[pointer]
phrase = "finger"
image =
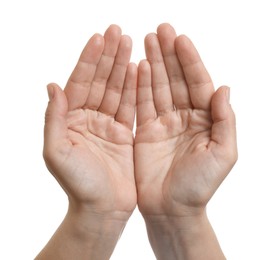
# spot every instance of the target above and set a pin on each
(160, 82)
(78, 85)
(145, 104)
(55, 129)
(224, 126)
(179, 90)
(112, 38)
(198, 80)
(126, 110)
(114, 86)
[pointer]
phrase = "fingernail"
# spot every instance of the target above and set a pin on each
(51, 92)
(228, 94)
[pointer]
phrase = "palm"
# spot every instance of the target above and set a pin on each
(103, 151)
(94, 162)
(177, 158)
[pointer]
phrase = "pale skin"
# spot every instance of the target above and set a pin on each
(185, 145)
(89, 148)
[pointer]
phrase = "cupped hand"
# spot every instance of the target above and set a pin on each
(88, 131)
(185, 141)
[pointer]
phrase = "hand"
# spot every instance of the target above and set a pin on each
(185, 140)
(185, 146)
(88, 133)
(88, 147)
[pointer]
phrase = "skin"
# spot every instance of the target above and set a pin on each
(88, 147)
(184, 147)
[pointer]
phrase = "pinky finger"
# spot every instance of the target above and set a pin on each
(126, 111)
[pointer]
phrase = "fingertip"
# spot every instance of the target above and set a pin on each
(114, 28)
(227, 97)
(225, 90)
(126, 41)
(57, 99)
(97, 39)
(144, 72)
(182, 42)
(164, 26)
(51, 91)
(93, 49)
(220, 104)
(131, 77)
(144, 66)
(127, 38)
(133, 65)
(228, 93)
(183, 37)
(149, 37)
(132, 69)
(184, 45)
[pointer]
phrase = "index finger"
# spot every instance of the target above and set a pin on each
(199, 82)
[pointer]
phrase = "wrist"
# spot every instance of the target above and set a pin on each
(85, 234)
(174, 227)
(189, 237)
(89, 224)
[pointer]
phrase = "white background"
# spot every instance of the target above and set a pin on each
(40, 42)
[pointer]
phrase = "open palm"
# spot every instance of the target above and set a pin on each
(185, 140)
(88, 131)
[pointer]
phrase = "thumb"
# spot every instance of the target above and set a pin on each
(55, 129)
(224, 126)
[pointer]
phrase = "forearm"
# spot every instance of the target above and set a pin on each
(84, 236)
(189, 238)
